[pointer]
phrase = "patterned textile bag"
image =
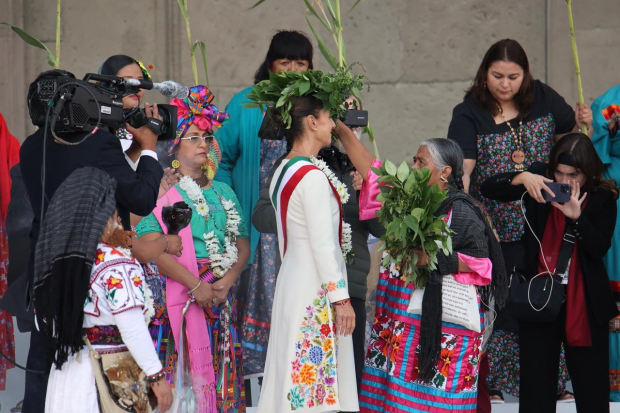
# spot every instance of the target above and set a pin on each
(121, 383)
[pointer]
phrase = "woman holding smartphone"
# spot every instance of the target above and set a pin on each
(589, 216)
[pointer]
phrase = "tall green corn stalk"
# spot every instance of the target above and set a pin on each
(193, 45)
(52, 59)
(584, 127)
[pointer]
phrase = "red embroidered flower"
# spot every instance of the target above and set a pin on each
(469, 376)
(325, 330)
(331, 286)
(445, 359)
(330, 399)
(99, 256)
(137, 281)
(114, 283)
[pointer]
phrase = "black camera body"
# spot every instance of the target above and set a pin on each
(97, 100)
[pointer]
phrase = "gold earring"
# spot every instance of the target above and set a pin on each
(442, 179)
(176, 164)
(485, 85)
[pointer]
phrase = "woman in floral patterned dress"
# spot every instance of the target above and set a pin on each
(216, 251)
(310, 365)
(506, 122)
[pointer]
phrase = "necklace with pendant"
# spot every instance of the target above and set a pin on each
(518, 155)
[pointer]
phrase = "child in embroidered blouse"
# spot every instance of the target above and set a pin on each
(87, 285)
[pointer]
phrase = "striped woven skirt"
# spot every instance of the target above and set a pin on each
(231, 388)
(390, 382)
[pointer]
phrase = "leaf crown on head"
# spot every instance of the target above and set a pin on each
(282, 89)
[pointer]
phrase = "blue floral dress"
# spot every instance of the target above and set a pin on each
(257, 284)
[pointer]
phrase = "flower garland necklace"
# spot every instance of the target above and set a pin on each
(222, 258)
(347, 243)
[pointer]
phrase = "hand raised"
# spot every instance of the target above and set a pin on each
(572, 208)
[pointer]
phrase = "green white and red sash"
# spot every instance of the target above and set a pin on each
(292, 173)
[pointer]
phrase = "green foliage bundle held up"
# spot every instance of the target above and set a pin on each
(409, 204)
(283, 88)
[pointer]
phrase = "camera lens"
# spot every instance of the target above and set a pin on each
(565, 189)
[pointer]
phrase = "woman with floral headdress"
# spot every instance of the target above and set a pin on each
(206, 272)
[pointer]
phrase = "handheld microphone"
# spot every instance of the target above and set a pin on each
(168, 88)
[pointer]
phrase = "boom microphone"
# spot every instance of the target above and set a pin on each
(168, 88)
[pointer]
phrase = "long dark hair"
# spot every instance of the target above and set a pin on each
(113, 64)
(584, 159)
(285, 44)
(506, 50)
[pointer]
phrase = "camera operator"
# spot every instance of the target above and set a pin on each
(136, 193)
(127, 67)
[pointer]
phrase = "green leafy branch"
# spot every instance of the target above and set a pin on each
(329, 15)
(193, 45)
(408, 209)
(282, 89)
(52, 59)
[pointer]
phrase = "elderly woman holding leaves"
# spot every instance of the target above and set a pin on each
(423, 354)
(205, 272)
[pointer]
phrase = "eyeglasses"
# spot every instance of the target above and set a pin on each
(195, 140)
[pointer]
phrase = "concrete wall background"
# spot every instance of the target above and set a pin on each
(420, 55)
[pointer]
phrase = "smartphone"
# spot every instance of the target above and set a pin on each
(355, 118)
(561, 191)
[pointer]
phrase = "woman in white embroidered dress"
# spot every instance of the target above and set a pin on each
(309, 364)
(82, 237)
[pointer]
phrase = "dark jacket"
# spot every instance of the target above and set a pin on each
(18, 224)
(136, 191)
(264, 219)
(593, 230)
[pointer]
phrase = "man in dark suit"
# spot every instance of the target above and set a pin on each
(136, 193)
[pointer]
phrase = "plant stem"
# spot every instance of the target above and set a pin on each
(338, 26)
(57, 34)
(584, 128)
(191, 46)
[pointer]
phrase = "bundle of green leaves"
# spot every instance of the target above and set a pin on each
(409, 205)
(283, 88)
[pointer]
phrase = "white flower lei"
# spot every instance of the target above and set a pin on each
(222, 259)
(346, 244)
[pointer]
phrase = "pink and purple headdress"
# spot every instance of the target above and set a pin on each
(197, 109)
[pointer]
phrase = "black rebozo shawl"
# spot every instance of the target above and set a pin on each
(73, 224)
(474, 237)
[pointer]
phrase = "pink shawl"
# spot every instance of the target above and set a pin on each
(198, 342)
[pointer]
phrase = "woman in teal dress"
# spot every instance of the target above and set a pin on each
(215, 252)
(606, 140)
(246, 163)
